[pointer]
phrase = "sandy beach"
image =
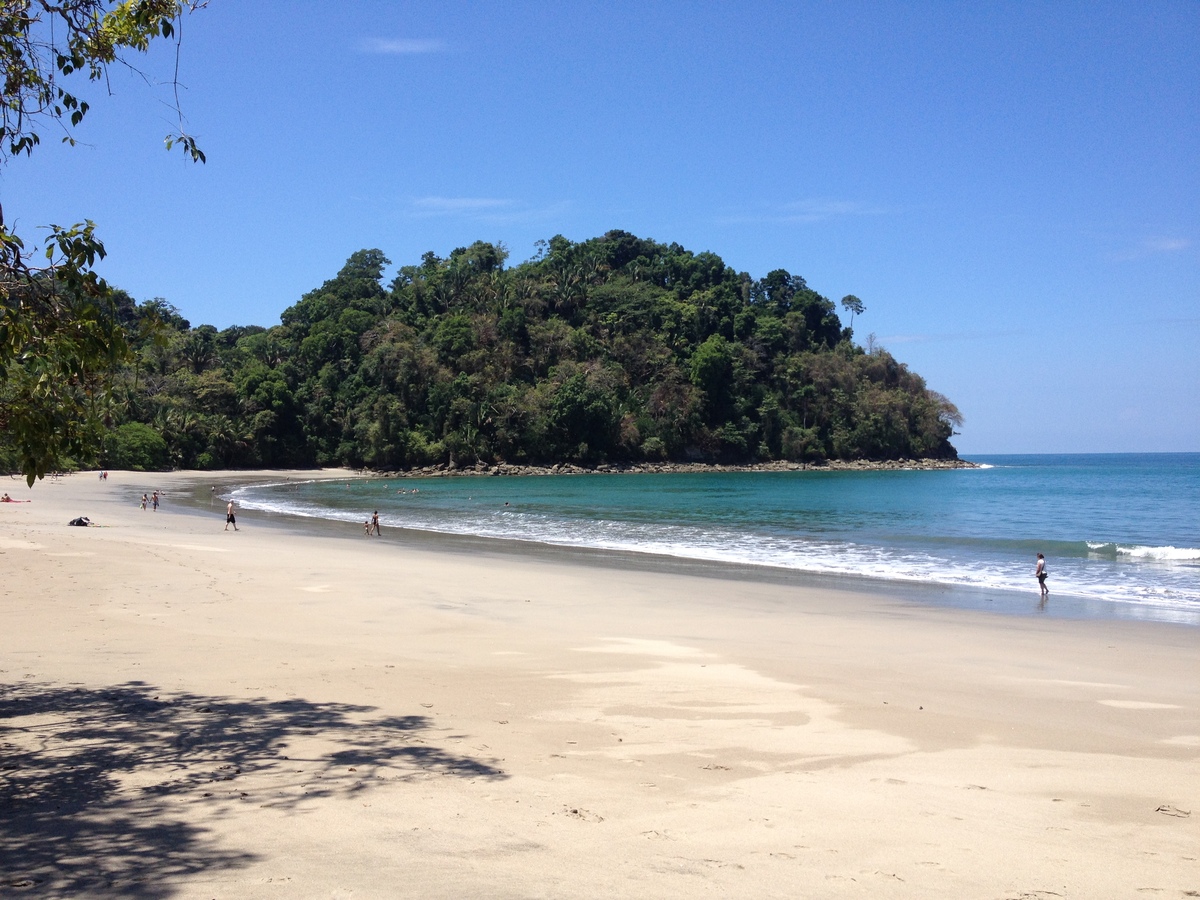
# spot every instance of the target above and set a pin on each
(189, 712)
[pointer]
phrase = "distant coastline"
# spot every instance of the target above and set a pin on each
(662, 468)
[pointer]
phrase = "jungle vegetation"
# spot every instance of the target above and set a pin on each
(614, 349)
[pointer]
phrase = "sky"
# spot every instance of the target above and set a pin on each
(1012, 189)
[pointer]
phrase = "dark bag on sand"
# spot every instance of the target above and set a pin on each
(82, 520)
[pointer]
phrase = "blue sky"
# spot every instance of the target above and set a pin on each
(1012, 189)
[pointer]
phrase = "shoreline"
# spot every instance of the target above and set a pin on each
(993, 600)
(509, 469)
(188, 713)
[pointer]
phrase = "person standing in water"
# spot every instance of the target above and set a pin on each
(1040, 572)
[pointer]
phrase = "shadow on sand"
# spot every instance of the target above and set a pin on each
(95, 785)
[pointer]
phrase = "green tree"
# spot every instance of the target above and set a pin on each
(136, 446)
(60, 334)
(854, 306)
(583, 417)
(712, 372)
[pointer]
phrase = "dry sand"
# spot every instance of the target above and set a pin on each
(188, 712)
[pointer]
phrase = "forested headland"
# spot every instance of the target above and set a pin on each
(612, 350)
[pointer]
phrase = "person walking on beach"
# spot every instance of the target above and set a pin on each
(375, 523)
(1040, 572)
(230, 519)
(154, 500)
(145, 500)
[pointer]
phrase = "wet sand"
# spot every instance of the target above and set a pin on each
(190, 712)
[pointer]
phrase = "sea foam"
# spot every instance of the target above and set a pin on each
(1170, 554)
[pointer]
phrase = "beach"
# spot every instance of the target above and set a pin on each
(192, 712)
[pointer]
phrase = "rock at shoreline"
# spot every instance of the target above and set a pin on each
(836, 465)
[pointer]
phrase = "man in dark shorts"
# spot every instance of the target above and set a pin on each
(230, 519)
(1040, 572)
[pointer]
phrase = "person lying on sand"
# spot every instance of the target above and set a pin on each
(8, 499)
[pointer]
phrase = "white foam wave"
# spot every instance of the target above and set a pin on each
(1173, 554)
(1106, 578)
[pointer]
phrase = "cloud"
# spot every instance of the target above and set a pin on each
(802, 212)
(495, 210)
(1155, 246)
(1165, 245)
(403, 46)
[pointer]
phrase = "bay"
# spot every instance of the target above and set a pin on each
(1115, 528)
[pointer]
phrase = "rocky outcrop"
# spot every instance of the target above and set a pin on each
(503, 468)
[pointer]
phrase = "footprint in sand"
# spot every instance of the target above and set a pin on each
(14, 544)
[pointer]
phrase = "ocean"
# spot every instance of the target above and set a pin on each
(1119, 531)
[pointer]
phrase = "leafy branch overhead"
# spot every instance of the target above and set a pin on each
(43, 43)
(60, 341)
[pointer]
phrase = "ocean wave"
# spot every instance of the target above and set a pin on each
(1168, 554)
(289, 483)
(1093, 570)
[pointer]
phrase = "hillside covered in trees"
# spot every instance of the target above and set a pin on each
(614, 349)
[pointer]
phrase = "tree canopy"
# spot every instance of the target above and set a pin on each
(612, 349)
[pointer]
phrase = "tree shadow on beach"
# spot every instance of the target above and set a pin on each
(94, 784)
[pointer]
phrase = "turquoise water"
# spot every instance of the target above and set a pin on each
(1121, 528)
